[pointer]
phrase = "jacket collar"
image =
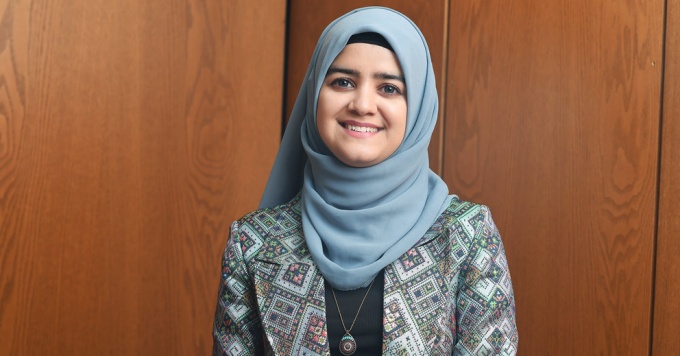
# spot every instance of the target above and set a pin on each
(285, 271)
(290, 295)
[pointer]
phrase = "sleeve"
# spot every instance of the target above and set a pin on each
(237, 328)
(485, 306)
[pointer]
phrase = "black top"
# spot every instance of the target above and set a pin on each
(368, 329)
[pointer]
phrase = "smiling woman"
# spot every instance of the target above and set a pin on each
(358, 246)
(361, 113)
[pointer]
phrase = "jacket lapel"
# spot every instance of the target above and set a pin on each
(290, 296)
(417, 302)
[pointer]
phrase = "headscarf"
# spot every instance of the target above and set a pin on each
(356, 221)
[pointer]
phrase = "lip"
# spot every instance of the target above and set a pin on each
(371, 130)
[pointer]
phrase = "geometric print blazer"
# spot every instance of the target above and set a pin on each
(450, 294)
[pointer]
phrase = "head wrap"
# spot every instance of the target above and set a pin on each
(370, 38)
(356, 221)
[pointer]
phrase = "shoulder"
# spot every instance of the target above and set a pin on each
(270, 219)
(257, 227)
(465, 216)
(465, 224)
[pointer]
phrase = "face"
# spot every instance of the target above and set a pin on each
(361, 111)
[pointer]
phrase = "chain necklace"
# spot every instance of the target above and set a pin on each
(348, 345)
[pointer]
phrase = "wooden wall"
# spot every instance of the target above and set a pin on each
(131, 134)
(551, 116)
(552, 119)
(666, 337)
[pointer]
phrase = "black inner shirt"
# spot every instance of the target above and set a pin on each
(368, 328)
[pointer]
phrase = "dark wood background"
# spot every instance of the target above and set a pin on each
(553, 121)
(132, 134)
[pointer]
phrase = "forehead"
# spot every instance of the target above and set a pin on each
(369, 57)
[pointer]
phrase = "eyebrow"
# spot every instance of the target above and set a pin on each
(333, 70)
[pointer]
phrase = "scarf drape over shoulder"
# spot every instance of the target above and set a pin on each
(356, 221)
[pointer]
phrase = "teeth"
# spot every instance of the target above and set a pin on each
(361, 128)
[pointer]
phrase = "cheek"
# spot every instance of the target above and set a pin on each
(328, 106)
(398, 115)
(324, 103)
(320, 110)
(324, 118)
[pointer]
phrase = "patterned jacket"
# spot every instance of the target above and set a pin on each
(449, 294)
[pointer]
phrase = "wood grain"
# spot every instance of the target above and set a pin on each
(308, 18)
(552, 120)
(131, 135)
(667, 282)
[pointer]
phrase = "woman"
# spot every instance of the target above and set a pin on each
(357, 246)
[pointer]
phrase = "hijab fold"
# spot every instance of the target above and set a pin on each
(356, 221)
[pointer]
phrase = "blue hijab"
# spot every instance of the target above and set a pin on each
(356, 221)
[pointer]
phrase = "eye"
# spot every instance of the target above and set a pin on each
(390, 89)
(341, 83)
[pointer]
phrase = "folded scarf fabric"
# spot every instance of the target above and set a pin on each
(356, 221)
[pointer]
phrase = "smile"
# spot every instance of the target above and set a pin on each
(361, 128)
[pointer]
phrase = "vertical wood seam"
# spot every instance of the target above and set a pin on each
(442, 86)
(284, 69)
(659, 173)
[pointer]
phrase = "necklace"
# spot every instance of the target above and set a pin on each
(348, 345)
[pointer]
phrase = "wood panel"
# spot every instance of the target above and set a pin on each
(131, 135)
(308, 18)
(553, 120)
(667, 282)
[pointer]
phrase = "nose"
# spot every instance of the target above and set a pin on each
(363, 102)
